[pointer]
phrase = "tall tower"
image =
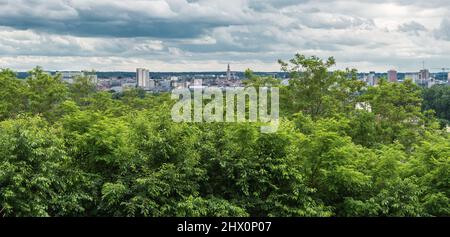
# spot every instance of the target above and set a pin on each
(142, 77)
(372, 79)
(424, 74)
(392, 75)
(228, 73)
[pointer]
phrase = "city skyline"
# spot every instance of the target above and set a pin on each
(203, 36)
(228, 69)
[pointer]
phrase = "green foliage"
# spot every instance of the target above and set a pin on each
(315, 91)
(198, 207)
(34, 180)
(437, 98)
(399, 198)
(398, 111)
(82, 89)
(44, 92)
(69, 150)
(257, 81)
(12, 95)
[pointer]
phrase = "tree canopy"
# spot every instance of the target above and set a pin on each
(69, 150)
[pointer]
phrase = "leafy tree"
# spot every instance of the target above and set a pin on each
(317, 92)
(81, 89)
(397, 107)
(340, 150)
(44, 92)
(260, 173)
(437, 98)
(400, 198)
(363, 128)
(256, 81)
(34, 178)
(12, 95)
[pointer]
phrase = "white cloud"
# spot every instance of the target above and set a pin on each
(443, 32)
(194, 35)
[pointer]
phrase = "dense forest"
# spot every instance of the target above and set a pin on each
(69, 150)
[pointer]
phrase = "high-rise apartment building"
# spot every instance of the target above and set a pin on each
(392, 76)
(372, 79)
(424, 74)
(143, 78)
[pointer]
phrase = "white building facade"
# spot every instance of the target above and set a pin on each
(143, 78)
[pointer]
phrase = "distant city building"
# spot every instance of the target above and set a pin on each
(92, 77)
(151, 84)
(143, 78)
(198, 82)
(165, 82)
(424, 74)
(70, 76)
(179, 85)
(431, 83)
(372, 79)
(412, 76)
(116, 89)
(164, 85)
(392, 76)
(128, 86)
(441, 76)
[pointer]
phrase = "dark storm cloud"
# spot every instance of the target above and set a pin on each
(154, 18)
(159, 19)
(169, 18)
(114, 28)
(373, 31)
(270, 4)
(412, 27)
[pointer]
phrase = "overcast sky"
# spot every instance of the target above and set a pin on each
(205, 35)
